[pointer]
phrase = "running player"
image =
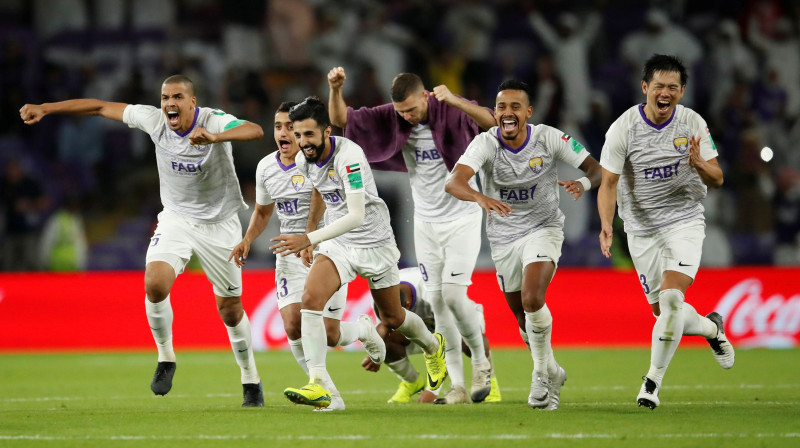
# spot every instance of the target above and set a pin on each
(280, 185)
(424, 133)
(524, 223)
(398, 348)
(356, 240)
(201, 198)
(644, 164)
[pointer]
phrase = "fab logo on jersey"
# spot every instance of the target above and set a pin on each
(298, 181)
(681, 144)
(536, 165)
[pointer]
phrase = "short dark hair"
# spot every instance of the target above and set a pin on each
(181, 79)
(313, 108)
(513, 84)
(404, 85)
(286, 106)
(664, 63)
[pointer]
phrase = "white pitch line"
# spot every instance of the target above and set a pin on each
(580, 435)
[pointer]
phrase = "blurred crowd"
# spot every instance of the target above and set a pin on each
(82, 193)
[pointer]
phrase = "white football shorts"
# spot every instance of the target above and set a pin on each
(677, 249)
(176, 239)
(510, 259)
(447, 251)
(376, 264)
(290, 281)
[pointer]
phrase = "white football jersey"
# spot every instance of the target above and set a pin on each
(346, 171)
(524, 178)
(657, 189)
(289, 189)
(197, 182)
(427, 175)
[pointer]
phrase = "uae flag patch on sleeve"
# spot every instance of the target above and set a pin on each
(354, 176)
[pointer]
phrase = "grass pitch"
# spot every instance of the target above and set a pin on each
(104, 399)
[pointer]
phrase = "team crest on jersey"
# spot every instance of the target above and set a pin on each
(298, 181)
(681, 144)
(332, 176)
(535, 165)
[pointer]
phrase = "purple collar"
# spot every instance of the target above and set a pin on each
(194, 122)
(280, 164)
(327, 159)
(413, 294)
(522, 146)
(657, 127)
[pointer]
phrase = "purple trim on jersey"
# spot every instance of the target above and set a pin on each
(413, 294)
(657, 127)
(194, 122)
(524, 144)
(280, 164)
(327, 159)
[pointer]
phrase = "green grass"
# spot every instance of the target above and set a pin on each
(103, 399)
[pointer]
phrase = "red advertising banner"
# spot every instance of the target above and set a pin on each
(590, 307)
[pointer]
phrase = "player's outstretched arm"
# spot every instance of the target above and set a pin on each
(591, 180)
(709, 170)
(243, 132)
(337, 108)
(606, 206)
(33, 113)
(481, 115)
(258, 222)
(289, 244)
(458, 185)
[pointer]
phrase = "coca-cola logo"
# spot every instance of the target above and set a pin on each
(755, 321)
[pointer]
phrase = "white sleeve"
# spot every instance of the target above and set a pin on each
(708, 150)
(262, 194)
(353, 218)
(479, 151)
(614, 150)
(349, 165)
(566, 148)
(220, 121)
(144, 117)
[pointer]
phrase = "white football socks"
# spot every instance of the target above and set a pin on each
(403, 369)
(667, 333)
(296, 346)
(312, 329)
(159, 316)
(696, 325)
(446, 326)
(349, 332)
(241, 343)
(539, 326)
(467, 321)
(414, 329)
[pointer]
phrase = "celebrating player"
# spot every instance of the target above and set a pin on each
(280, 185)
(201, 198)
(658, 160)
(524, 223)
(424, 133)
(356, 240)
(398, 348)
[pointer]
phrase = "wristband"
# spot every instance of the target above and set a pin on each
(587, 185)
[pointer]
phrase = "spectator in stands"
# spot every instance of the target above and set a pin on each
(24, 201)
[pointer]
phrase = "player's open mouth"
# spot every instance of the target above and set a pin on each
(309, 151)
(662, 105)
(509, 124)
(173, 117)
(284, 145)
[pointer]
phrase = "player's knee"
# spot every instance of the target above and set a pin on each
(453, 294)
(670, 300)
(231, 312)
(532, 300)
(156, 290)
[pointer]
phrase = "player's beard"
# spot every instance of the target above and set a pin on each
(319, 149)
